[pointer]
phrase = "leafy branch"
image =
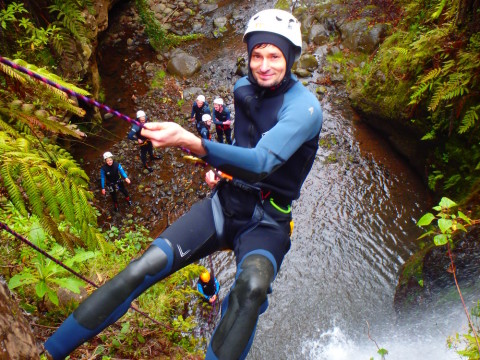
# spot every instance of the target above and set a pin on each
(448, 224)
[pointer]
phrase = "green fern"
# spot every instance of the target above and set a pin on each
(470, 119)
(70, 16)
(52, 193)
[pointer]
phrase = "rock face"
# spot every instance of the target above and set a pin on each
(183, 65)
(359, 36)
(16, 338)
(85, 64)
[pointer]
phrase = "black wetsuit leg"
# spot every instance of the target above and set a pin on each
(184, 242)
(113, 193)
(219, 135)
(122, 189)
(260, 244)
(228, 136)
(143, 155)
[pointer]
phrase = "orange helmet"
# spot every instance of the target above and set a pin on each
(205, 276)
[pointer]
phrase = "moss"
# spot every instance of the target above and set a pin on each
(283, 5)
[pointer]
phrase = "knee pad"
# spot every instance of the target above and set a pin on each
(244, 303)
(116, 295)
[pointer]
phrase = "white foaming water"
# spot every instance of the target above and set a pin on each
(335, 345)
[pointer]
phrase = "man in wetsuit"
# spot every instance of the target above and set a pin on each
(277, 128)
(204, 129)
(111, 174)
(199, 108)
(208, 286)
(144, 143)
(221, 119)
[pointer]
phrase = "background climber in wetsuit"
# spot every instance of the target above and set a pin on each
(221, 118)
(144, 143)
(111, 174)
(277, 127)
(199, 108)
(208, 286)
(204, 129)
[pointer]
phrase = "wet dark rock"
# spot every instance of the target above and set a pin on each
(432, 266)
(183, 65)
(359, 36)
(318, 34)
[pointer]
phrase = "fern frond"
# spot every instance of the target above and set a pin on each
(14, 74)
(50, 76)
(9, 174)
(52, 228)
(439, 9)
(4, 126)
(469, 120)
(401, 50)
(419, 91)
(432, 74)
(65, 201)
(31, 189)
(48, 194)
(70, 16)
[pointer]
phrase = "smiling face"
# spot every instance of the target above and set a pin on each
(142, 119)
(218, 107)
(268, 65)
(109, 161)
(199, 103)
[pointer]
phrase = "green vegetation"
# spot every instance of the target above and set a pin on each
(46, 36)
(159, 37)
(158, 80)
(39, 177)
(45, 196)
(427, 74)
(444, 226)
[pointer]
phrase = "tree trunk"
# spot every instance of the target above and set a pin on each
(16, 337)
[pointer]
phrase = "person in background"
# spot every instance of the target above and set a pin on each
(144, 143)
(277, 128)
(111, 174)
(205, 127)
(221, 119)
(199, 108)
(208, 286)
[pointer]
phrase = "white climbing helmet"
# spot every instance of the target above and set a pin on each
(141, 113)
(201, 98)
(107, 155)
(279, 22)
(218, 101)
(206, 117)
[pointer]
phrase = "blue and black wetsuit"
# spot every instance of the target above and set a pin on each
(197, 113)
(111, 179)
(208, 289)
(145, 147)
(276, 138)
(219, 117)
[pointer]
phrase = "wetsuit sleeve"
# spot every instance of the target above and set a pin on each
(132, 135)
(299, 121)
(122, 172)
(200, 290)
(217, 286)
(227, 112)
(214, 119)
(193, 111)
(102, 178)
